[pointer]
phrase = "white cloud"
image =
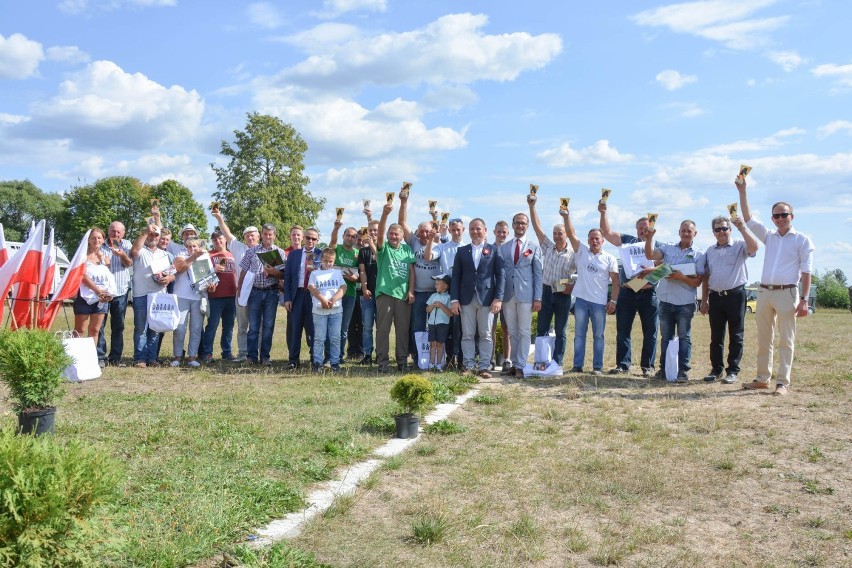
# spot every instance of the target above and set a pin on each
(671, 80)
(598, 153)
(755, 145)
(6, 118)
(341, 128)
(454, 98)
(265, 15)
(68, 54)
(842, 74)
(724, 21)
(103, 106)
(686, 110)
(839, 247)
(332, 8)
(834, 127)
(451, 49)
(19, 56)
(788, 60)
(79, 6)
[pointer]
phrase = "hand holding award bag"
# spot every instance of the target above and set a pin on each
(163, 312)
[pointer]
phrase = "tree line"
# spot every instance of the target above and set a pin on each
(263, 182)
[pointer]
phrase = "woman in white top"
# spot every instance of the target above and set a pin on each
(92, 301)
(189, 304)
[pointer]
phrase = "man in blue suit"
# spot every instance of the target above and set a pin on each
(297, 299)
(476, 293)
(522, 297)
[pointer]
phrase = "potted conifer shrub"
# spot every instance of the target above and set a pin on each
(32, 364)
(414, 394)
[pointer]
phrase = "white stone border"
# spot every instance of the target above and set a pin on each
(319, 500)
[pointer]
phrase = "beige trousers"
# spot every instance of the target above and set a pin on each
(776, 309)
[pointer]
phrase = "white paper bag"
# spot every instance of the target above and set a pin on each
(544, 346)
(163, 312)
(672, 359)
(245, 291)
(85, 359)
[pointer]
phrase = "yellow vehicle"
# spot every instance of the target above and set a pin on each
(751, 300)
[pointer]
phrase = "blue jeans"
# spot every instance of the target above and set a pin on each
(117, 310)
(680, 317)
(629, 304)
(222, 310)
(418, 319)
(190, 313)
(262, 305)
(348, 303)
(583, 313)
(368, 317)
(327, 328)
(554, 306)
(145, 339)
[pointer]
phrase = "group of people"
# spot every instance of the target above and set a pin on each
(427, 280)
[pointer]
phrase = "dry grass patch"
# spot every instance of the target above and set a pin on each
(563, 472)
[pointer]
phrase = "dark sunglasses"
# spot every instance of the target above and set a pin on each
(781, 215)
(311, 239)
(721, 229)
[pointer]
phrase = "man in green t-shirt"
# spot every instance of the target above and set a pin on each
(347, 260)
(394, 291)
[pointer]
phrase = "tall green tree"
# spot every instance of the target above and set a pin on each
(178, 207)
(119, 198)
(264, 180)
(128, 200)
(23, 203)
(831, 291)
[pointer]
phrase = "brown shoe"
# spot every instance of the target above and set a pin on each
(485, 374)
(755, 385)
(781, 390)
(140, 365)
(519, 373)
(508, 371)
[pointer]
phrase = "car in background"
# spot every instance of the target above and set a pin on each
(751, 300)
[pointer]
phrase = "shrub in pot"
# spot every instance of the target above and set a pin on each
(51, 491)
(414, 394)
(32, 364)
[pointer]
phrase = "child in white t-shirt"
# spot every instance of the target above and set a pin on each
(327, 288)
(438, 318)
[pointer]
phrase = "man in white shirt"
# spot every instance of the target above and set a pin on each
(447, 250)
(789, 255)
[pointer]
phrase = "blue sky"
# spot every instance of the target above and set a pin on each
(472, 101)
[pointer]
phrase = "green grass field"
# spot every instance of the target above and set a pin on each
(567, 471)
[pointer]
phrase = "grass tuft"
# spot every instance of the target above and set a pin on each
(444, 427)
(430, 528)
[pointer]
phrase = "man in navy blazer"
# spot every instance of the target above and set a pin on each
(522, 258)
(297, 299)
(476, 293)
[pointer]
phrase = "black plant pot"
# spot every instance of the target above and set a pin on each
(36, 422)
(407, 425)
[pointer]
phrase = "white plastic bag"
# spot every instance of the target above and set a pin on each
(163, 312)
(84, 354)
(245, 291)
(421, 338)
(544, 346)
(672, 359)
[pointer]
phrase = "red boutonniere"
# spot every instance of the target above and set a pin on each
(527, 252)
(486, 252)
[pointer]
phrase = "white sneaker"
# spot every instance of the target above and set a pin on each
(175, 363)
(193, 363)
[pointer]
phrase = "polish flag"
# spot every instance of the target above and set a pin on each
(23, 269)
(68, 285)
(4, 254)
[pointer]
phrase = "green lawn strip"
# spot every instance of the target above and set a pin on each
(206, 461)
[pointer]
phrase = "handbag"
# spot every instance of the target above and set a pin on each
(163, 312)
(84, 356)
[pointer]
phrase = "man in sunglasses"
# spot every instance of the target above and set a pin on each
(723, 295)
(789, 256)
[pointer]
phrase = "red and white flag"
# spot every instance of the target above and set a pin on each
(48, 268)
(4, 254)
(23, 269)
(68, 285)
